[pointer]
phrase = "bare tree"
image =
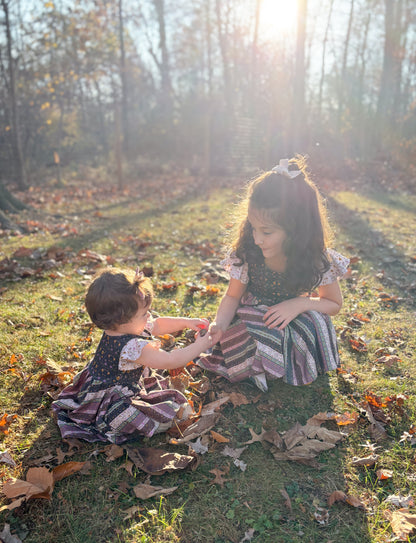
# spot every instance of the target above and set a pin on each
(298, 111)
(12, 106)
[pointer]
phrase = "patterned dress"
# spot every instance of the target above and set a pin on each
(305, 348)
(114, 399)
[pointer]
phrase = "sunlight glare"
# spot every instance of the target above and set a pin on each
(277, 17)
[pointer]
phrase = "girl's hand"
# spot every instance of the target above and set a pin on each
(279, 315)
(197, 324)
(214, 328)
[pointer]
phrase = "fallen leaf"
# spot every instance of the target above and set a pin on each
(144, 491)
(219, 480)
(234, 453)
(288, 503)
(218, 437)
(5, 458)
(400, 501)
(113, 452)
(7, 537)
(240, 464)
(131, 512)
(321, 516)
(336, 496)
(368, 461)
(248, 536)
(39, 484)
(403, 523)
(5, 422)
(255, 437)
(320, 418)
(237, 399)
(383, 474)
(65, 470)
(158, 461)
(198, 428)
(198, 446)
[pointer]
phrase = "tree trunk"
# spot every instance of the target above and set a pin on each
(164, 65)
(298, 109)
(124, 88)
(321, 83)
(14, 114)
(342, 82)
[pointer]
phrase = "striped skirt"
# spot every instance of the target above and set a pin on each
(306, 348)
(92, 410)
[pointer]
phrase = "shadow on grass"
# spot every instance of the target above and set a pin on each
(375, 248)
(215, 513)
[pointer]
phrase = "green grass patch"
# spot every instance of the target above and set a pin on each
(176, 229)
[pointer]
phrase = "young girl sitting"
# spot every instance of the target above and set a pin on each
(271, 324)
(117, 397)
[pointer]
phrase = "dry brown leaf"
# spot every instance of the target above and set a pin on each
(5, 458)
(212, 408)
(112, 452)
(355, 502)
(320, 418)
(403, 523)
(198, 428)
(336, 496)
(39, 484)
(65, 470)
(273, 437)
(288, 503)
(255, 437)
(219, 438)
(347, 418)
(237, 399)
(219, 480)
(293, 436)
(339, 496)
(368, 461)
(7, 537)
(131, 512)
(383, 474)
(158, 461)
(144, 491)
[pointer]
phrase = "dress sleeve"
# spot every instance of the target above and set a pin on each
(339, 267)
(130, 353)
(231, 266)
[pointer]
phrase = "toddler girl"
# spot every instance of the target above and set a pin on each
(117, 396)
(272, 324)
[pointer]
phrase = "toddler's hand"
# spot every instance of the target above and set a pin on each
(207, 340)
(198, 324)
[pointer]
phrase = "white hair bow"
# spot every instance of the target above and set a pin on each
(283, 169)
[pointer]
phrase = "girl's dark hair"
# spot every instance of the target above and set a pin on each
(297, 207)
(115, 296)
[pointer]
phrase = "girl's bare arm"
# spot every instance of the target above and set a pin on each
(228, 305)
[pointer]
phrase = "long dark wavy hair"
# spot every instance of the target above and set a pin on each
(296, 206)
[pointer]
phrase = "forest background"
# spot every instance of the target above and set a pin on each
(209, 86)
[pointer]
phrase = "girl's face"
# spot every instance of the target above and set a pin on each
(268, 236)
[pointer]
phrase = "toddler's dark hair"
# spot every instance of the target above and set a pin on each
(115, 296)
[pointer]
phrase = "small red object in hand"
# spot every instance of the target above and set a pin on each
(203, 329)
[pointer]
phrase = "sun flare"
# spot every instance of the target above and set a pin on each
(277, 16)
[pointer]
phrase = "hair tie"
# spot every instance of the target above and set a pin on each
(283, 169)
(138, 277)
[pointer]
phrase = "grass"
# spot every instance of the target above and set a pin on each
(175, 227)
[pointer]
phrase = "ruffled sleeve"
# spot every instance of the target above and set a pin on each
(130, 354)
(150, 324)
(231, 265)
(339, 267)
